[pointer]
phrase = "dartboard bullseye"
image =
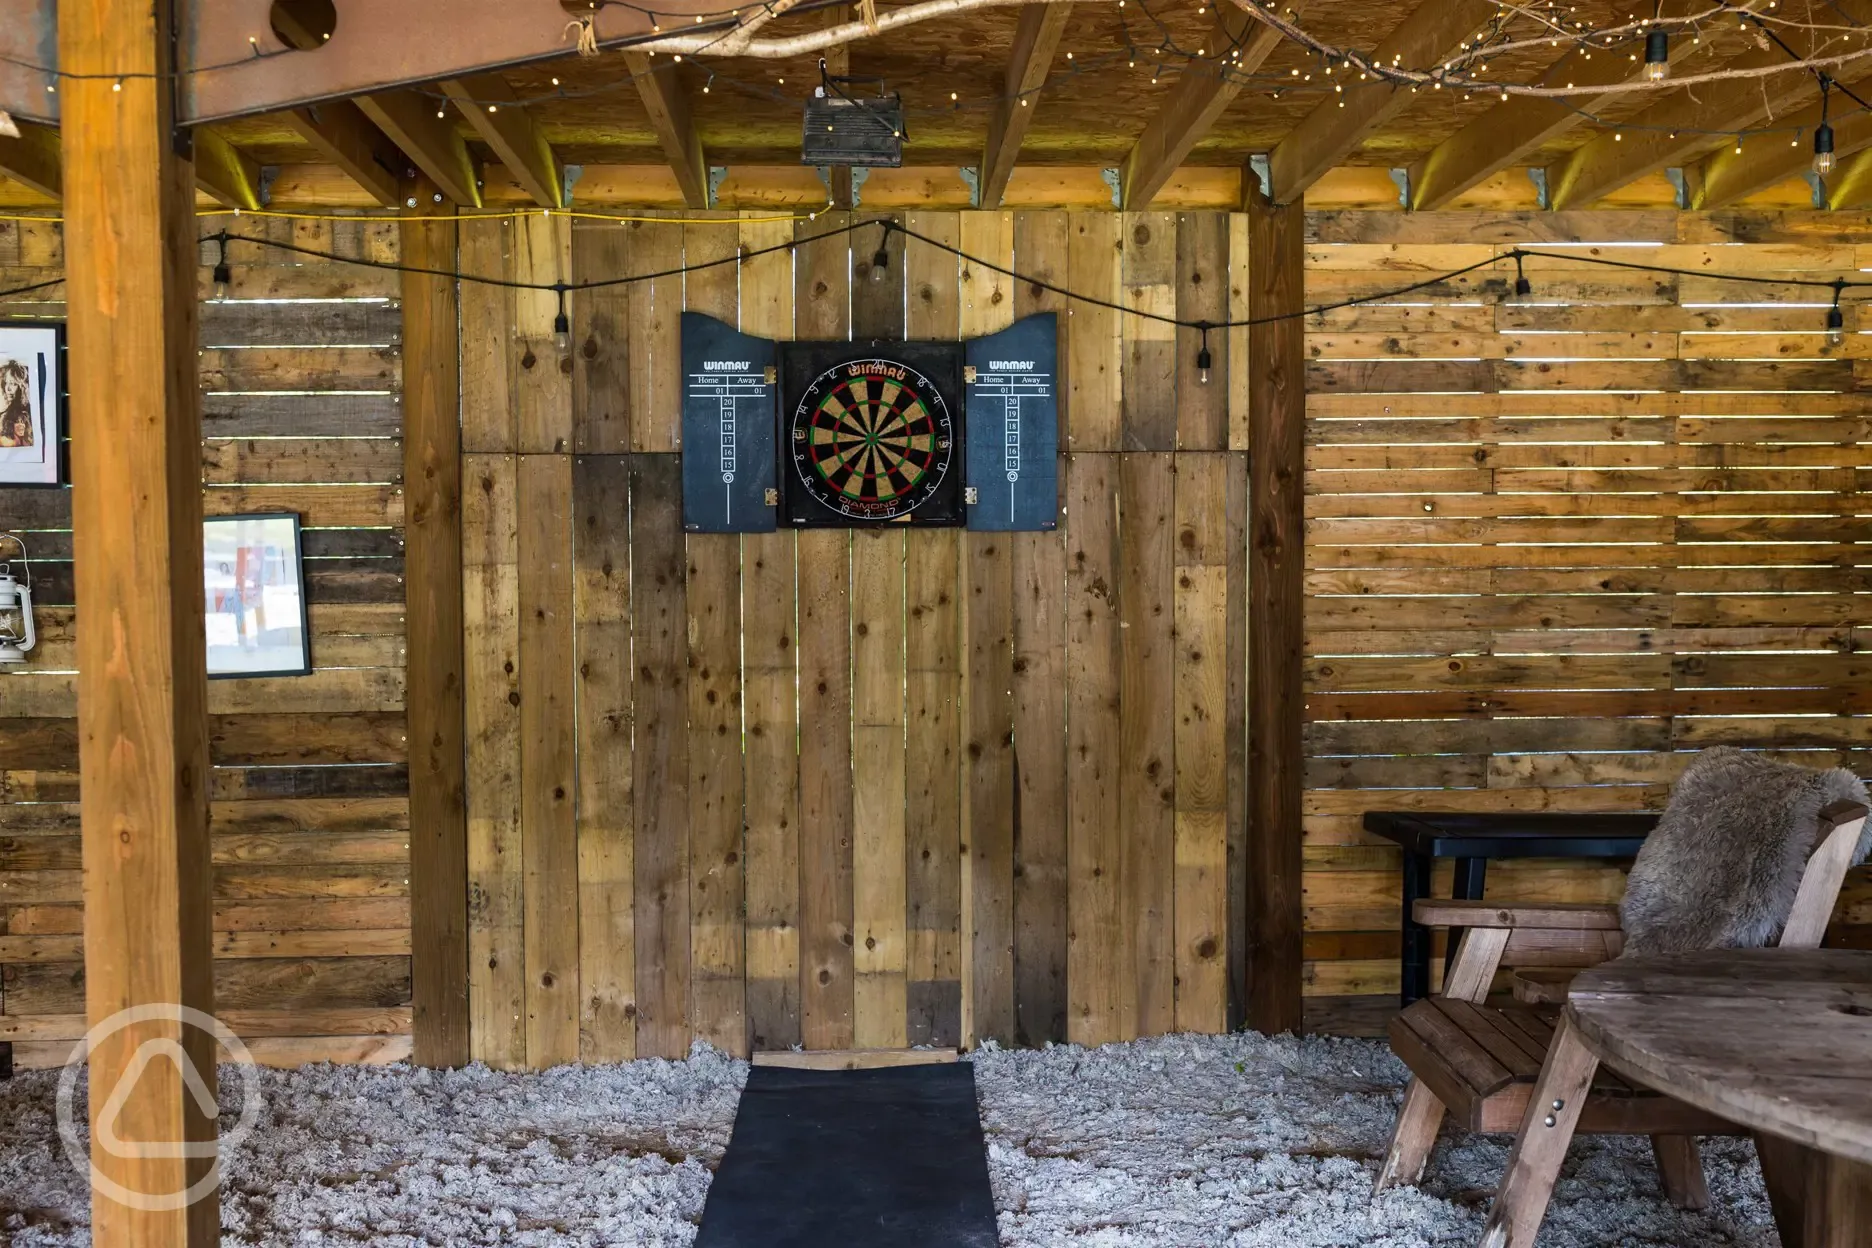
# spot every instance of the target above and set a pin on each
(872, 439)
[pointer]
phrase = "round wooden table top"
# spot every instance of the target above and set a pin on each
(1774, 1039)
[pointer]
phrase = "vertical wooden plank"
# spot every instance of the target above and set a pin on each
(601, 638)
(1238, 383)
(547, 763)
(601, 391)
(878, 898)
(1040, 913)
(988, 717)
(1147, 784)
(1201, 707)
(542, 377)
(487, 323)
(1202, 294)
(136, 521)
(432, 570)
(659, 756)
(717, 939)
(1236, 556)
(1276, 607)
(1093, 694)
(772, 771)
(879, 955)
(770, 655)
(656, 336)
(822, 309)
(932, 828)
(825, 789)
(1094, 375)
(1150, 362)
(491, 689)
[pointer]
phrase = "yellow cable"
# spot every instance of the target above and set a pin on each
(511, 214)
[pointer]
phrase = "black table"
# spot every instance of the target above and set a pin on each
(1473, 839)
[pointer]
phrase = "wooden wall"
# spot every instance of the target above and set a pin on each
(300, 377)
(1558, 544)
(988, 782)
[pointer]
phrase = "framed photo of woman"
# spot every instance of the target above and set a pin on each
(32, 403)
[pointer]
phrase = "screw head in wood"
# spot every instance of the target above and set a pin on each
(1548, 1120)
(1559, 1105)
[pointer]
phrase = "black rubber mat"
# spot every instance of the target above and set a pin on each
(887, 1158)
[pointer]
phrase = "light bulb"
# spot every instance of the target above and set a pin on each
(880, 264)
(1657, 56)
(1203, 362)
(562, 334)
(1836, 326)
(222, 276)
(1823, 149)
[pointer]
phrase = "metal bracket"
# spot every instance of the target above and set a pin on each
(971, 178)
(569, 178)
(1537, 174)
(1117, 186)
(267, 174)
(1263, 172)
(1818, 184)
(717, 174)
(1679, 187)
(859, 174)
(1401, 176)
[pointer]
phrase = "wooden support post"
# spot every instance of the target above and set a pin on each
(1276, 611)
(432, 572)
(137, 538)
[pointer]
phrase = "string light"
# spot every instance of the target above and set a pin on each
(1657, 56)
(1823, 133)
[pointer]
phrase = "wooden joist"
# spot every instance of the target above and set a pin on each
(1036, 39)
(1676, 130)
(1740, 168)
(501, 120)
(1516, 128)
(416, 126)
(33, 158)
(1340, 122)
(1201, 96)
(136, 515)
(340, 132)
(668, 106)
(228, 175)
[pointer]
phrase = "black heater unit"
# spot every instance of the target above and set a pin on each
(842, 129)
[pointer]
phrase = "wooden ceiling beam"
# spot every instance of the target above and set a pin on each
(1200, 97)
(1516, 128)
(229, 176)
(1724, 176)
(1340, 122)
(668, 105)
(340, 132)
(33, 159)
(431, 141)
(503, 122)
(1672, 133)
(1036, 39)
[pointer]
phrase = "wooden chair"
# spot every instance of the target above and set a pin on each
(1503, 1068)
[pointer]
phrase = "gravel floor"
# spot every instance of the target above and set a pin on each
(1180, 1141)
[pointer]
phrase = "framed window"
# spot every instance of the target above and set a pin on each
(254, 578)
(32, 403)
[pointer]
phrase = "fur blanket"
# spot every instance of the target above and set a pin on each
(1726, 860)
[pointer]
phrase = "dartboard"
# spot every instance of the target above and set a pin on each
(872, 439)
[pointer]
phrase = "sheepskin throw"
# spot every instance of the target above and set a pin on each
(1725, 862)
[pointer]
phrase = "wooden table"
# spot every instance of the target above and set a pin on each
(1472, 839)
(1779, 1040)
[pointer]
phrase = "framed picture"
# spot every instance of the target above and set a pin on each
(255, 581)
(32, 403)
